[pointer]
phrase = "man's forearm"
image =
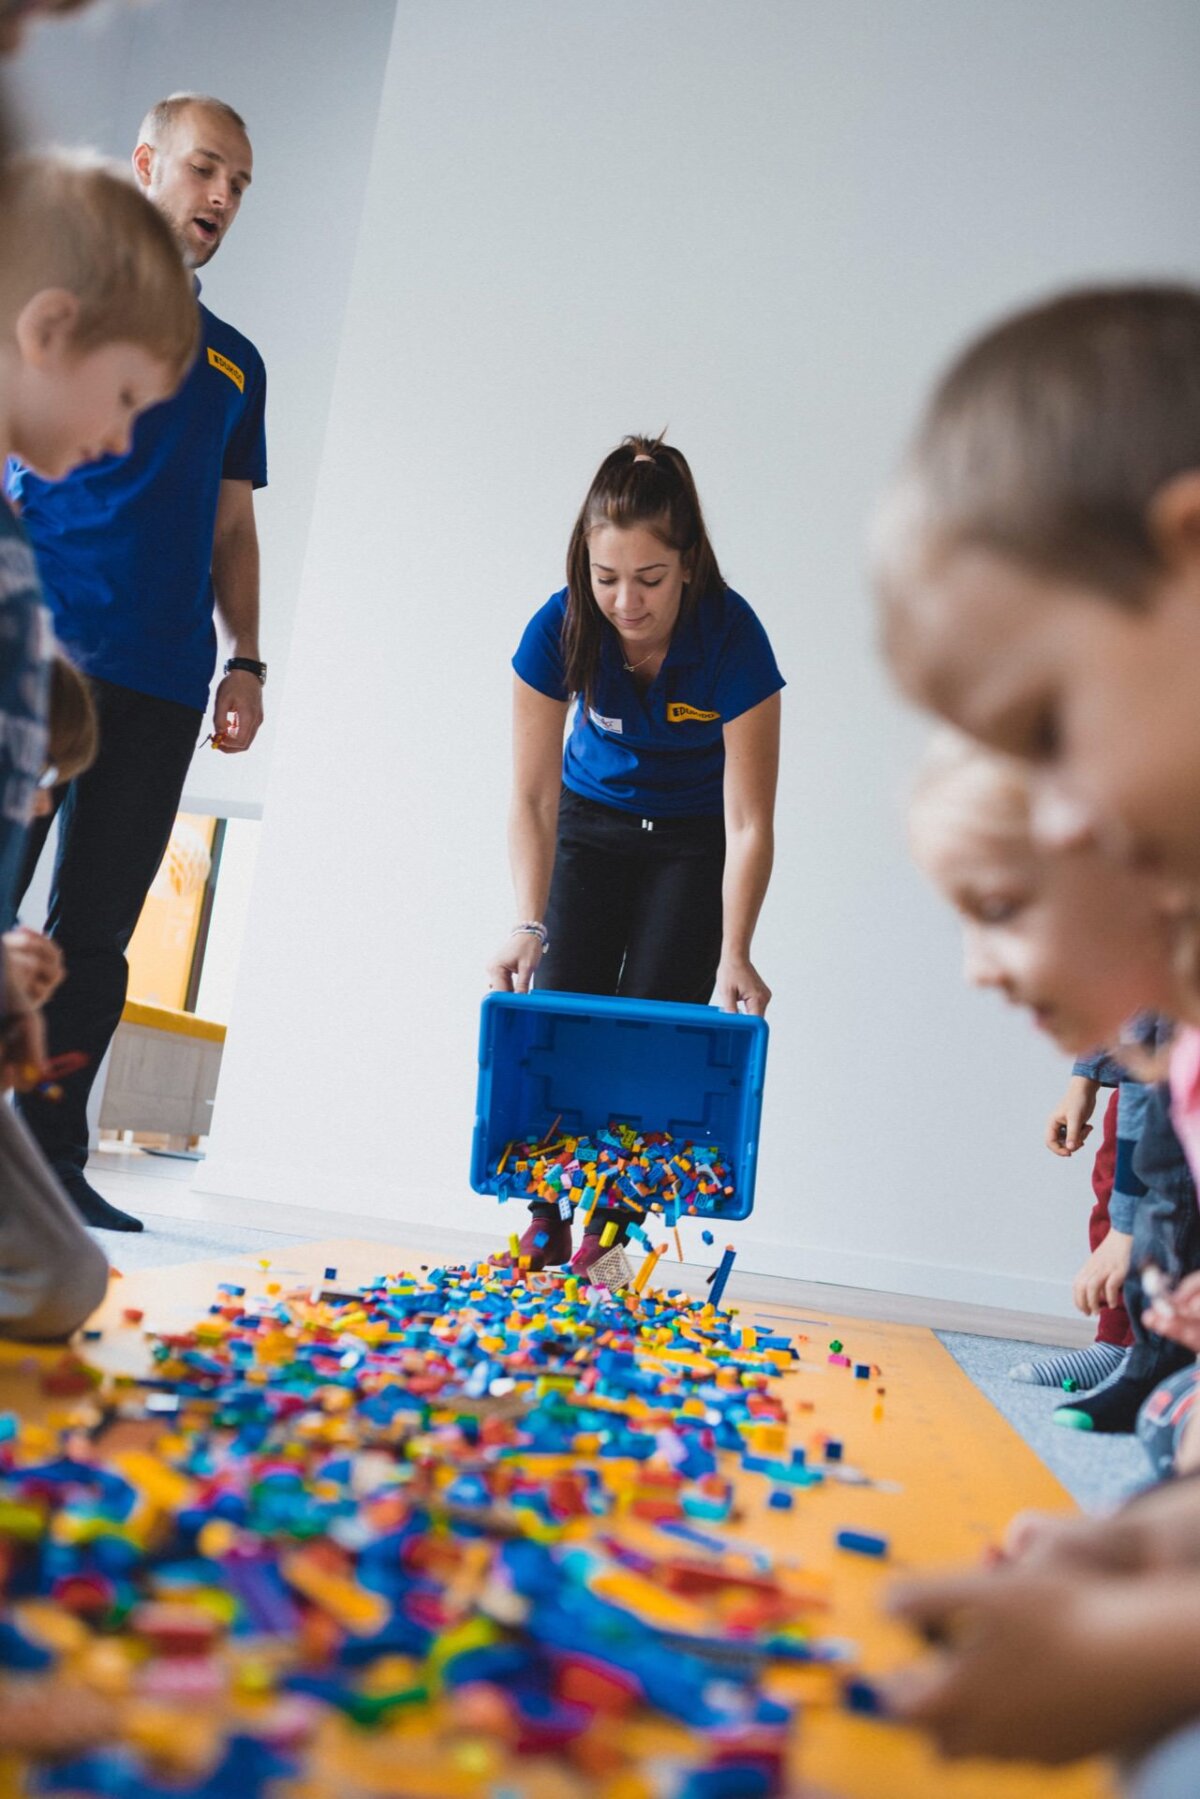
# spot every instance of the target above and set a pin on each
(235, 570)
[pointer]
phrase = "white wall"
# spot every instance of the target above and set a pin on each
(306, 76)
(763, 225)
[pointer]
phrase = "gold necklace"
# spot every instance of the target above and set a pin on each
(629, 667)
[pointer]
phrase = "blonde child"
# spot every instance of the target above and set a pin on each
(1079, 941)
(97, 322)
(1039, 567)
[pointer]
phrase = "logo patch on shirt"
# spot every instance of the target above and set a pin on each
(228, 368)
(606, 724)
(679, 714)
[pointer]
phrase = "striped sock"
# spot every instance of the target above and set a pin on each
(1086, 1367)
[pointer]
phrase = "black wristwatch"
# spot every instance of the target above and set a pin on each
(248, 666)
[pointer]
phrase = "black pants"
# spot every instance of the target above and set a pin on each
(635, 904)
(114, 826)
(1166, 1231)
(635, 909)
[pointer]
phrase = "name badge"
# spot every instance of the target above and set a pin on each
(679, 714)
(606, 724)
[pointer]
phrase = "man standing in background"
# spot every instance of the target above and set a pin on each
(136, 554)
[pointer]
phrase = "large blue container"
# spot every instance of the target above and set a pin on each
(690, 1070)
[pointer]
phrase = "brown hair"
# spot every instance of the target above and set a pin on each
(78, 222)
(643, 482)
(74, 730)
(1048, 438)
(164, 115)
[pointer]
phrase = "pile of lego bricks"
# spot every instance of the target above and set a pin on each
(445, 1531)
(621, 1168)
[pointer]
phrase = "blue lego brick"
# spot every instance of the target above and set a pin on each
(862, 1542)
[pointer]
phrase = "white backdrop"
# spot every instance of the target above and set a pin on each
(306, 76)
(763, 225)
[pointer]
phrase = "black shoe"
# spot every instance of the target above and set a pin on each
(91, 1207)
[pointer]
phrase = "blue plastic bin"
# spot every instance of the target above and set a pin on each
(690, 1070)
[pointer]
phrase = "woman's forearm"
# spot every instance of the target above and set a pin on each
(749, 856)
(532, 826)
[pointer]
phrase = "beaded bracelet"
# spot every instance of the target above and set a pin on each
(532, 928)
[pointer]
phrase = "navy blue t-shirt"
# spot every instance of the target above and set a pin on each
(658, 752)
(25, 649)
(124, 545)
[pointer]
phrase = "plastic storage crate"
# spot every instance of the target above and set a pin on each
(691, 1070)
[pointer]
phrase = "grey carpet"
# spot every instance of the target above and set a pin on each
(1097, 1471)
(168, 1240)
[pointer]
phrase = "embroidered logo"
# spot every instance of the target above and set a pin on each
(606, 724)
(228, 368)
(679, 714)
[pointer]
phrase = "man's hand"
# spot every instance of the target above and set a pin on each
(1067, 1128)
(237, 712)
(1102, 1276)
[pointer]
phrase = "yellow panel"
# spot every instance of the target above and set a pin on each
(180, 1024)
(160, 953)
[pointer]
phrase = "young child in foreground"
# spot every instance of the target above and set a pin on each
(97, 321)
(1039, 567)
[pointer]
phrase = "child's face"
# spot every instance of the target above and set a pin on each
(68, 409)
(1075, 938)
(1098, 698)
(638, 584)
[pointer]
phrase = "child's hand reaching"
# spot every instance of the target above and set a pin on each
(37, 961)
(1156, 1531)
(1067, 1128)
(1102, 1276)
(23, 1042)
(1177, 1314)
(1047, 1665)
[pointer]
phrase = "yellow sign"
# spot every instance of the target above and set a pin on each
(678, 714)
(228, 368)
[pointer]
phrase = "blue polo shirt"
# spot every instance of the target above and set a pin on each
(661, 752)
(124, 545)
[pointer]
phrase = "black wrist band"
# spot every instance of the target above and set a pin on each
(248, 666)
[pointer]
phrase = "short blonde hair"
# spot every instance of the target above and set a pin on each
(74, 728)
(78, 222)
(961, 786)
(163, 117)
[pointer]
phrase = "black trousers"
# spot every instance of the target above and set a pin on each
(1166, 1231)
(635, 909)
(635, 904)
(114, 825)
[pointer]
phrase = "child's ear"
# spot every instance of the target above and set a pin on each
(1174, 518)
(46, 325)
